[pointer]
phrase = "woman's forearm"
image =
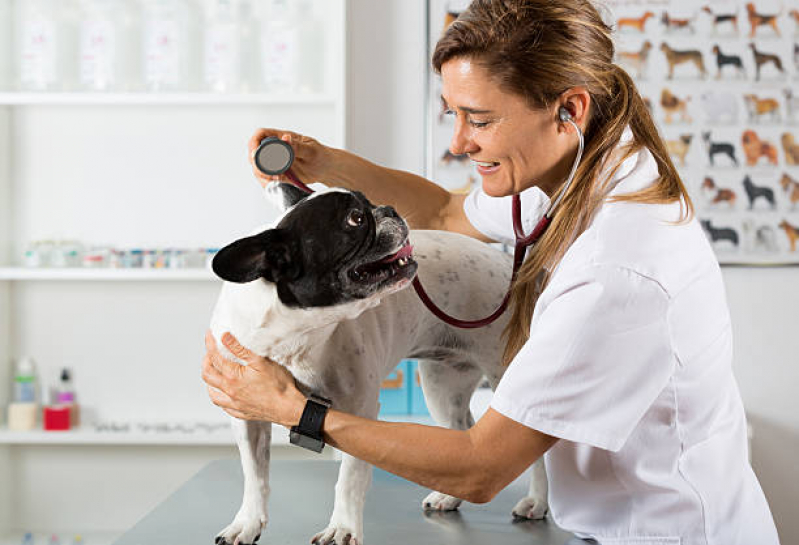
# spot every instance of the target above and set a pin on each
(441, 459)
(423, 204)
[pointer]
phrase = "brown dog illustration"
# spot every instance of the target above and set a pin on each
(755, 148)
(673, 105)
(636, 23)
(679, 148)
(675, 57)
(720, 18)
(759, 107)
(758, 19)
(672, 24)
(762, 59)
(791, 232)
(637, 59)
(791, 149)
(718, 194)
(791, 187)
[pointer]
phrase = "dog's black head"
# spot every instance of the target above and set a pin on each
(328, 249)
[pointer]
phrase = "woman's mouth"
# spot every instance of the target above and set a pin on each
(486, 167)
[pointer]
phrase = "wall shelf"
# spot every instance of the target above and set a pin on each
(25, 274)
(163, 99)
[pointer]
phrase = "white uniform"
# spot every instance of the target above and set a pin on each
(629, 364)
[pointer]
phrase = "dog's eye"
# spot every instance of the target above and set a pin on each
(355, 218)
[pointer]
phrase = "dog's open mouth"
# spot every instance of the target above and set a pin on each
(388, 267)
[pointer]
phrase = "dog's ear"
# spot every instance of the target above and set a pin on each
(270, 255)
(284, 195)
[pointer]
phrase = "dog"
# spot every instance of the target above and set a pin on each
(673, 24)
(762, 59)
(791, 188)
(675, 57)
(679, 148)
(758, 19)
(794, 14)
(791, 149)
(635, 23)
(721, 18)
(791, 104)
(753, 192)
(759, 237)
(755, 148)
(714, 148)
(637, 59)
(718, 194)
(718, 234)
(673, 105)
(723, 60)
(792, 232)
(719, 107)
(758, 107)
(323, 292)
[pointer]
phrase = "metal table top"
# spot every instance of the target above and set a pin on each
(302, 500)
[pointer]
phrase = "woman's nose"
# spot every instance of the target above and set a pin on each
(462, 139)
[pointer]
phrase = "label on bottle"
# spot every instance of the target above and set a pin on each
(222, 57)
(161, 52)
(24, 391)
(280, 58)
(38, 66)
(97, 54)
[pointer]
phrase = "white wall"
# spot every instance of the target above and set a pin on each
(386, 124)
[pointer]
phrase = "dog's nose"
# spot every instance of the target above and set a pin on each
(386, 212)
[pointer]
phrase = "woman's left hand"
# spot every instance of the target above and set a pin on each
(261, 390)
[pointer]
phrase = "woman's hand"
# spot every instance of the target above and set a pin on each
(261, 390)
(312, 160)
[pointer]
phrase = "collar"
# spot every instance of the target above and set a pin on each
(635, 173)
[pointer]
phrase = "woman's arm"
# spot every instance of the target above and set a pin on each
(423, 204)
(473, 464)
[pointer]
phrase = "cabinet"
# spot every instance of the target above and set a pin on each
(160, 170)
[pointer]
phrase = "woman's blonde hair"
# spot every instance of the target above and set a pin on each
(539, 49)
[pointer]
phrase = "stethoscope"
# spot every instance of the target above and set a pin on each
(274, 157)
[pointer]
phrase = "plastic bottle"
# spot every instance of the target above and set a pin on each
(279, 47)
(25, 381)
(46, 45)
(223, 40)
(66, 396)
(167, 41)
(5, 46)
(106, 45)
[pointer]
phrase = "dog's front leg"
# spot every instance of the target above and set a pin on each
(346, 522)
(535, 505)
(253, 439)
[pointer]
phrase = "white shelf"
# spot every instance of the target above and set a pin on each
(223, 437)
(89, 538)
(22, 273)
(162, 99)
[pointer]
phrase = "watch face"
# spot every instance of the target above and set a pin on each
(305, 441)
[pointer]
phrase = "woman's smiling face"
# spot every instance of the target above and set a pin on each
(513, 146)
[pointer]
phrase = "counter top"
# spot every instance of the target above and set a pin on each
(302, 500)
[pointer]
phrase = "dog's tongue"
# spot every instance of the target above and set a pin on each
(405, 251)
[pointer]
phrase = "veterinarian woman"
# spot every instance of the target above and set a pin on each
(619, 348)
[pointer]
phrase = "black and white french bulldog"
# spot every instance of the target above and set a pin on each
(322, 292)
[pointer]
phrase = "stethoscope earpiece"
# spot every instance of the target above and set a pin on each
(564, 114)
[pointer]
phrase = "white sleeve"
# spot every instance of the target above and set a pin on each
(598, 356)
(492, 216)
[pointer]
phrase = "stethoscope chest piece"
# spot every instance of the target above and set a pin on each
(274, 156)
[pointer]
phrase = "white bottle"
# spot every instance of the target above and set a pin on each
(5, 46)
(280, 47)
(106, 44)
(38, 45)
(25, 382)
(222, 67)
(167, 45)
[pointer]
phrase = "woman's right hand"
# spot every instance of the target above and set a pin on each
(312, 160)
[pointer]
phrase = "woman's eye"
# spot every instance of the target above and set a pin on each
(478, 124)
(355, 218)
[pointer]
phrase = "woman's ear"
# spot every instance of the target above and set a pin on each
(577, 101)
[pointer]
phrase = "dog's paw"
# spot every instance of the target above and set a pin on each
(436, 501)
(530, 508)
(337, 535)
(241, 532)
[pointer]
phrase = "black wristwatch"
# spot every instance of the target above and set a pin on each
(308, 433)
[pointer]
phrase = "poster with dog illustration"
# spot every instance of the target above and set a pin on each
(721, 78)
(722, 81)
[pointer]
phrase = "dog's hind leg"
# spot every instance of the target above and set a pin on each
(448, 388)
(535, 505)
(253, 439)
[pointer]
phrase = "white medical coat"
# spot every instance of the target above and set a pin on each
(629, 364)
